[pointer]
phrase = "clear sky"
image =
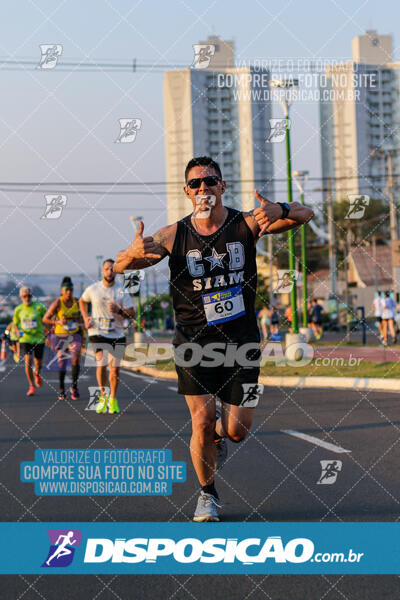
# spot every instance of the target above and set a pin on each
(61, 126)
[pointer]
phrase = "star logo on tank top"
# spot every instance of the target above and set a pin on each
(215, 259)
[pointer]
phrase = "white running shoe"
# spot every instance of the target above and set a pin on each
(206, 509)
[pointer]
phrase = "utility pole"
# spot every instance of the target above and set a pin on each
(289, 88)
(332, 243)
(375, 263)
(99, 259)
(347, 263)
(300, 179)
(389, 189)
(393, 218)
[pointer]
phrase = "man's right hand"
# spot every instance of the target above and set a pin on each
(142, 247)
(89, 322)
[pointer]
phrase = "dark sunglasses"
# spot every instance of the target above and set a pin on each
(210, 181)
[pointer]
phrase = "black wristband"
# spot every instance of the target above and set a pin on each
(285, 209)
(120, 312)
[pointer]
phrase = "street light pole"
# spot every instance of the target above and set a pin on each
(290, 91)
(300, 179)
(99, 259)
(332, 244)
(389, 189)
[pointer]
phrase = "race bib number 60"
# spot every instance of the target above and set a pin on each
(224, 306)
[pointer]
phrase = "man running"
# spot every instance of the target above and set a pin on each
(212, 259)
(11, 334)
(316, 311)
(28, 319)
(110, 306)
(64, 315)
(378, 306)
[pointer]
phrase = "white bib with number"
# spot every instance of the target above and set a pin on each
(28, 324)
(70, 325)
(220, 307)
(106, 324)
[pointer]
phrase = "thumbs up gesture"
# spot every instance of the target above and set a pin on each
(143, 247)
(267, 213)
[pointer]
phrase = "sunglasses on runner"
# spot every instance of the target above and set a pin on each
(210, 181)
(26, 295)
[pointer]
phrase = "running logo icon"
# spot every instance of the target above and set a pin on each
(251, 394)
(54, 206)
(132, 281)
(330, 470)
(62, 547)
(94, 396)
(50, 55)
(128, 130)
(357, 207)
(284, 283)
(202, 55)
(277, 131)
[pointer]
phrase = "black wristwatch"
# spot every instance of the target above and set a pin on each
(120, 312)
(285, 209)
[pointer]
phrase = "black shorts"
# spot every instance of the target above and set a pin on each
(106, 342)
(35, 349)
(316, 321)
(233, 383)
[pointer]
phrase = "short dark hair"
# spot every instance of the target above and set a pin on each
(111, 260)
(67, 282)
(203, 161)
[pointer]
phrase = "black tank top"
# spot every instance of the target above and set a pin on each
(214, 277)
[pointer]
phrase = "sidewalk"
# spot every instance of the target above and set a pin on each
(371, 354)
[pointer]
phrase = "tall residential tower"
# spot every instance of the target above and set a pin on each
(223, 112)
(359, 113)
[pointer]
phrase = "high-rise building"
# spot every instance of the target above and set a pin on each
(359, 113)
(223, 112)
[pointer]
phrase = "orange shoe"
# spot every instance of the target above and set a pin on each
(38, 380)
(31, 391)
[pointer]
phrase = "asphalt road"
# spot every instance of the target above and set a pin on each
(271, 476)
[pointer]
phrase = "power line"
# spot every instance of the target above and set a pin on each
(121, 65)
(180, 183)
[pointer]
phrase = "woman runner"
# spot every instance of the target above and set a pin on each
(65, 315)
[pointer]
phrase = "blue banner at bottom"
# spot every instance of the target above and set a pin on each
(200, 548)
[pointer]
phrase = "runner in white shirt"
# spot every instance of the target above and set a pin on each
(388, 313)
(110, 306)
(377, 306)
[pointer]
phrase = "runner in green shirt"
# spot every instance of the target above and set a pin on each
(28, 318)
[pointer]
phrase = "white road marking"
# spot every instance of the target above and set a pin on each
(174, 389)
(316, 441)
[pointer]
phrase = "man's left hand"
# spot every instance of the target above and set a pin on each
(267, 213)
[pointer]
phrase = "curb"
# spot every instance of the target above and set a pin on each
(344, 383)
